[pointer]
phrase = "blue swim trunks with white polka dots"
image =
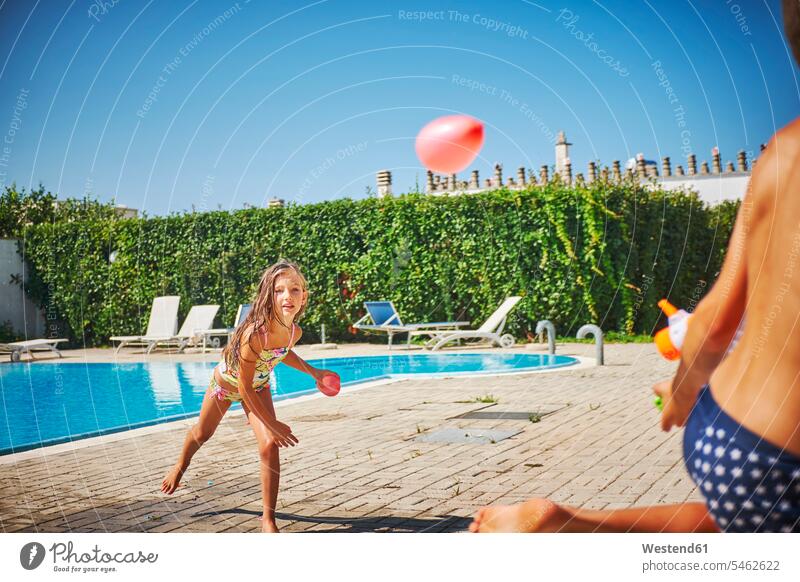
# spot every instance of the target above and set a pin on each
(750, 485)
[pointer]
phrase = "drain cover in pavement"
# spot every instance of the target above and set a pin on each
(319, 417)
(508, 415)
(498, 415)
(467, 436)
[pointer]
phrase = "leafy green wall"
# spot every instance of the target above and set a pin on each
(602, 254)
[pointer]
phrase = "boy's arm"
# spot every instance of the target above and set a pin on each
(714, 322)
(718, 315)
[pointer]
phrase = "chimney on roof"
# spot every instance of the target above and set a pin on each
(384, 179)
(562, 153)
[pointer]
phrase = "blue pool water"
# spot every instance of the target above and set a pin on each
(51, 402)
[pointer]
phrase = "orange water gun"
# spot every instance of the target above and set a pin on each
(669, 340)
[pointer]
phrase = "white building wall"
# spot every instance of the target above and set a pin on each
(712, 188)
(25, 317)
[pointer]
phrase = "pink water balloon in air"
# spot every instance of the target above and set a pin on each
(448, 144)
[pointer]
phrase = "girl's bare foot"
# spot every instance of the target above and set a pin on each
(172, 480)
(534, 515)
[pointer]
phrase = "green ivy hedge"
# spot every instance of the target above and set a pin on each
(20, 209)
(602, 254)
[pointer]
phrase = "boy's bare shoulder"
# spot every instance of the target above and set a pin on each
(786, 141)
(777, 167)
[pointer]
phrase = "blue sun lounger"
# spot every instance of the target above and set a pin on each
(385, 318)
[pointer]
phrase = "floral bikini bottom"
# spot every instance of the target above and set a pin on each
(221, 393)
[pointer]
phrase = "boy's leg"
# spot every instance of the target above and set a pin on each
(679, 518)
(270, 468)
(211, 414)
(542, 515)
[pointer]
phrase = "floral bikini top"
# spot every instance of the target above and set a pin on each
(266, 362)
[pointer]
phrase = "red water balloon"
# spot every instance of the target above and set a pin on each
(448, 144)
(330, 385)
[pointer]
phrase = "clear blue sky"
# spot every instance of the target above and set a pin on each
(165, 105)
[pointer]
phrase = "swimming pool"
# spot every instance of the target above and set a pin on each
(51, 402)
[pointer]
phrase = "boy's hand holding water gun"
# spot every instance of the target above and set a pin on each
(675, 406)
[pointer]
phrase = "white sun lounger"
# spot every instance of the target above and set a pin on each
(207, 334)
(490, 331)
(16, 349)
(199, 318)
(385, 318)
(163, 323)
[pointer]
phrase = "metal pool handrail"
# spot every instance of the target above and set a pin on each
(598, 336)
(551, 334)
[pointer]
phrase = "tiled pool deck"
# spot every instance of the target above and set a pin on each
(359, 467)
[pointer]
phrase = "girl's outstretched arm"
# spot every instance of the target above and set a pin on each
(247, 368)
(298, 363)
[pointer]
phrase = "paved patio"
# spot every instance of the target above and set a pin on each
(361, 465)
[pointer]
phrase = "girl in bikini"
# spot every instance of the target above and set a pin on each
(263, 339)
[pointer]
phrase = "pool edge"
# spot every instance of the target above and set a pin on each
(583, 362)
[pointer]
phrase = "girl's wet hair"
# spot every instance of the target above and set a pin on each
(791, 23)
(263, 311)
